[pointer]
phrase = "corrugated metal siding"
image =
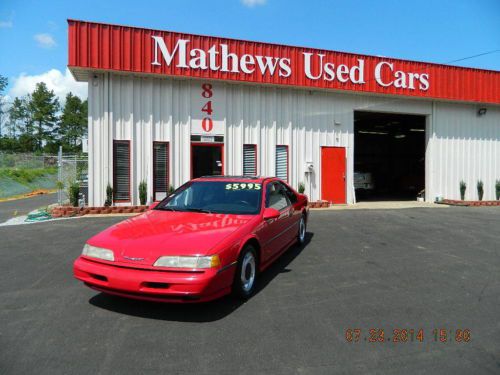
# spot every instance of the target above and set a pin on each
(465, 147)
(461, 144)
(94, 46)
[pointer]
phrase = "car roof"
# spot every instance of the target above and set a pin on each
(254, 179)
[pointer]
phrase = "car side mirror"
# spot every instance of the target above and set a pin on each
(153, 205)
(271, 213)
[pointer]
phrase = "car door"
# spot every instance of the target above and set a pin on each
(274, 232)
(294, 213)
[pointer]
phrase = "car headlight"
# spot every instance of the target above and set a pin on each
(188, 262)
(98, 252)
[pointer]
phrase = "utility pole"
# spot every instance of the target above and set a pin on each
(59, 175)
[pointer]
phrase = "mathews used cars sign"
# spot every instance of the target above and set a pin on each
(94, 46)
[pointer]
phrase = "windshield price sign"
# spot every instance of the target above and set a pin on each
(243, 186)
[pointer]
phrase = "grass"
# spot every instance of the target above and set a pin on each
(26, 176)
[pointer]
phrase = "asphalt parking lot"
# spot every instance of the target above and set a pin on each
(18, 207)
(380, 269)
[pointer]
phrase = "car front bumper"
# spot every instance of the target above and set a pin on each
(153, 285)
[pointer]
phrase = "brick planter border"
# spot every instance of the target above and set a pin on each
(68, 211)
(319, 204)
(453, 202)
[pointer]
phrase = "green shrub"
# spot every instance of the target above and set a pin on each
(301, 188)
(497, 189)
(171, 189)
(74, 193)
(143, 192)
(463, 187)
(109, 196)
(480, 190)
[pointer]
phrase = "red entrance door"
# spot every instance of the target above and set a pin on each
(333, 174)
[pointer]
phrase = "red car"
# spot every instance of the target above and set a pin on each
(212, 236)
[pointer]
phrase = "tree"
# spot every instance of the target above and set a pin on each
(20, 126)
(20, 119)
(43, 107)
(3, 85)
(73, 124)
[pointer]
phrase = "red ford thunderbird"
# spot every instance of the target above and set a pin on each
(212, 236)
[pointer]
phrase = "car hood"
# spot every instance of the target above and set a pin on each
(144, 238)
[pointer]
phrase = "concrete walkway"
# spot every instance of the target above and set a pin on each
(384, 205)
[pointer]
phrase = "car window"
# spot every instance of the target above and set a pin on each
(231, 197)
(289, 193)
(276, 196)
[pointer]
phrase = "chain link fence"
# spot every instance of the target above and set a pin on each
(24, 173)
(71, 169)
(27, 160)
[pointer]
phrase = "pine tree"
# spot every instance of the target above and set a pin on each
(21, 123)
(73, 124)
(43, 107)
(19, 117)
(3, 85)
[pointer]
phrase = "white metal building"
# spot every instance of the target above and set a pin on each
(153, 122)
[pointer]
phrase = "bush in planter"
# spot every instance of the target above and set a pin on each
(109, 196)
(73, 193)
(301, 188)
(143, 192)
(463, 186)
(170, 190)
(497, 189)
(480, 190)
(60, 188)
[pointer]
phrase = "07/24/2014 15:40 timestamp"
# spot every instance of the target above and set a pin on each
(396, 335)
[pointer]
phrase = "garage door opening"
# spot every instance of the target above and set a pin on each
(389, 156)
(207, 159)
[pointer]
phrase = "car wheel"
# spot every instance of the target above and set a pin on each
(302, 231)
(246, 273)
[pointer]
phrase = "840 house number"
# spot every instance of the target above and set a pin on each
(207, 123)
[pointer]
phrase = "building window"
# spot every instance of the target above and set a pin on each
(250, 160)
(282, 162)
(121, 171)
(160, 170)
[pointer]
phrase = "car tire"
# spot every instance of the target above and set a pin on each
(301, 235)
(246, 273)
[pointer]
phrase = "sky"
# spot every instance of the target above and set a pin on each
(33, 34)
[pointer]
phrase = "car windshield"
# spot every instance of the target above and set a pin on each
(225, 197)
